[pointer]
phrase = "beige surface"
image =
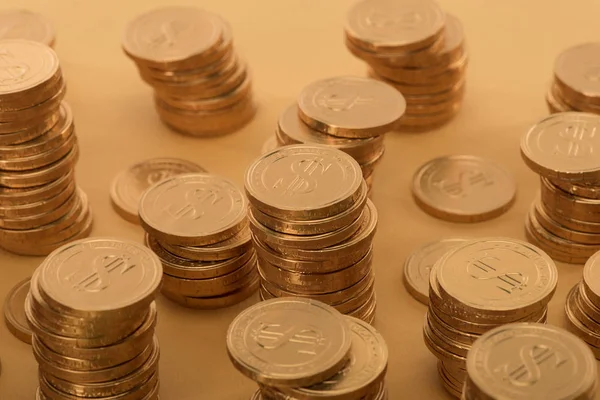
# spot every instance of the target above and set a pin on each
(289, 43)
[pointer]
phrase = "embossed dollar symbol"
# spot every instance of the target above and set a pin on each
(488, 268)
(303, 181)
(168, 33)
(99, 277)
(304, 340)
(407, 20)
(196, 202)
(464, 183)
(11, 69)
(577, 141)
(528, 372)
(336, 103)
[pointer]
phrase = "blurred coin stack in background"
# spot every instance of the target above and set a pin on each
(24, 24)
(418, 49)
(197, 225)
(352, 367)
(576, 84)
(93, 337)
(478, 286)
(565, 219)
(41, 206)
(201, 87)
(313, 227)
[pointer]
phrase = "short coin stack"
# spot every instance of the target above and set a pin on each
(41, 207)
(417, 48)
(313, 227)
(92, 312)
(576, 85)
(529, 361)
(301, 349)
(24, 24)
(565, 219)
(478, 286)
(186, 54)
(196, 223)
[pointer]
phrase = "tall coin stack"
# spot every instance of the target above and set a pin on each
(528, 361)
(41, 207)
(279, 344)
(478, 286)
(201, 87)
(418, 49)
(92, 312)
(313, 227)
(576, 84)
(197, 225)
(565, 219)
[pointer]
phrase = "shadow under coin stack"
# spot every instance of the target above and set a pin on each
(41, 207)
(576, 85)
(418, 49)
(197, 225)
(93, 333)
(478, 286)
(201, 87)
(565, 219)
(280, 345)
(313, 227)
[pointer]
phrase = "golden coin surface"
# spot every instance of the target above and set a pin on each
(289, 342)
(350, 106)
(591, 277)
(14, 311)
(564, 146)
(531, 361)
(24, 24)
(303, 182)
(578, 68)
(127, 187)
(193, 209)
(463, 188)
(99, 274)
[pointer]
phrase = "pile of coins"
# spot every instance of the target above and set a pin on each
(92, 312)
(201, 87)
(197, 225)
(478, 286)
(526, 361)
(576, 85)
(41, 207)
(301, 349)
(24, 24)
(418, 49)
(313, 227)
(565, 219)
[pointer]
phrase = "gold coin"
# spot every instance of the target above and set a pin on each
(591, 272)
(209, 303)
(585, 191)
(557, 229)
(463, 188)
(574, 206)
(39, 206)
(577, 70)
(14, 311)
(24, 24)
(350, 106)
(434, 75)
(21, 131)
(129, 185)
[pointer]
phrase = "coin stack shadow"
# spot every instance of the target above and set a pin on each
(575, 83)
(430, 73)
(41, 206)
(204, 92)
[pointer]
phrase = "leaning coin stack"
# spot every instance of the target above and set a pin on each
(41, 207)
(201, 87)
(92, 312)
(313, 227)
(529, 361)
(565, 219)
(279, 344)
(418, 49)
(576, 85)
(196, 223)
(478, 286)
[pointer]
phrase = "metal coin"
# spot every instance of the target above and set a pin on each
(24, 24)
(14, 311)
(577, 70)
(214, 302)
(269, 145)
(557, 229)
(591, 278)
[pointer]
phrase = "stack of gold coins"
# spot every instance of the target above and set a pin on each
(92, 312)
(417, 48)
(41, 207)
(478, 286)
(279, 344)
(24, 24)
(197, 225)
(576, 85)
(527, 361)
(565, 219)
(313, 227)
(201, 87)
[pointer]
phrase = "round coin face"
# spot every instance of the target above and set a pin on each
(100, 274)
(497, 274)
(463, 188)
(531, 361)
(23, 24)
(289, 342)
(579, 68)
(27, 64)
(127, 187)
(564, 146)
(350, 106)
